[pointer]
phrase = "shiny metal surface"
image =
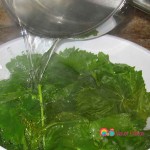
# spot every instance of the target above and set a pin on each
(70, 18)
(62, 18)
(143, 5)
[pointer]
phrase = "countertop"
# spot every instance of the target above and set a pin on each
(136, 30)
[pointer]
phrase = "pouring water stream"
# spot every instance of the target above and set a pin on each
(59, 19)
(37, 71)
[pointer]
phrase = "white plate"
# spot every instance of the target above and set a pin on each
(119, 50)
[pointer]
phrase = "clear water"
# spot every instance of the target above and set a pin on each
(57, 19)
(38, 45)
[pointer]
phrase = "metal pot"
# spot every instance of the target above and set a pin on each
(72, 18)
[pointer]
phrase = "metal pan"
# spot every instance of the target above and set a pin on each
(72, 18)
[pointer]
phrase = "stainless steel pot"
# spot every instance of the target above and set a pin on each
(72, 18)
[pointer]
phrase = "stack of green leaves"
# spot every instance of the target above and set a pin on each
(80, 93)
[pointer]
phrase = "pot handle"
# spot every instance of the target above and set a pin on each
(143, 5)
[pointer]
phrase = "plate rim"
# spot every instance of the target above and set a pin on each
(106, 35)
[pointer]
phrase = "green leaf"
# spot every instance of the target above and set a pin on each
(87, 34)
(81, 93)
